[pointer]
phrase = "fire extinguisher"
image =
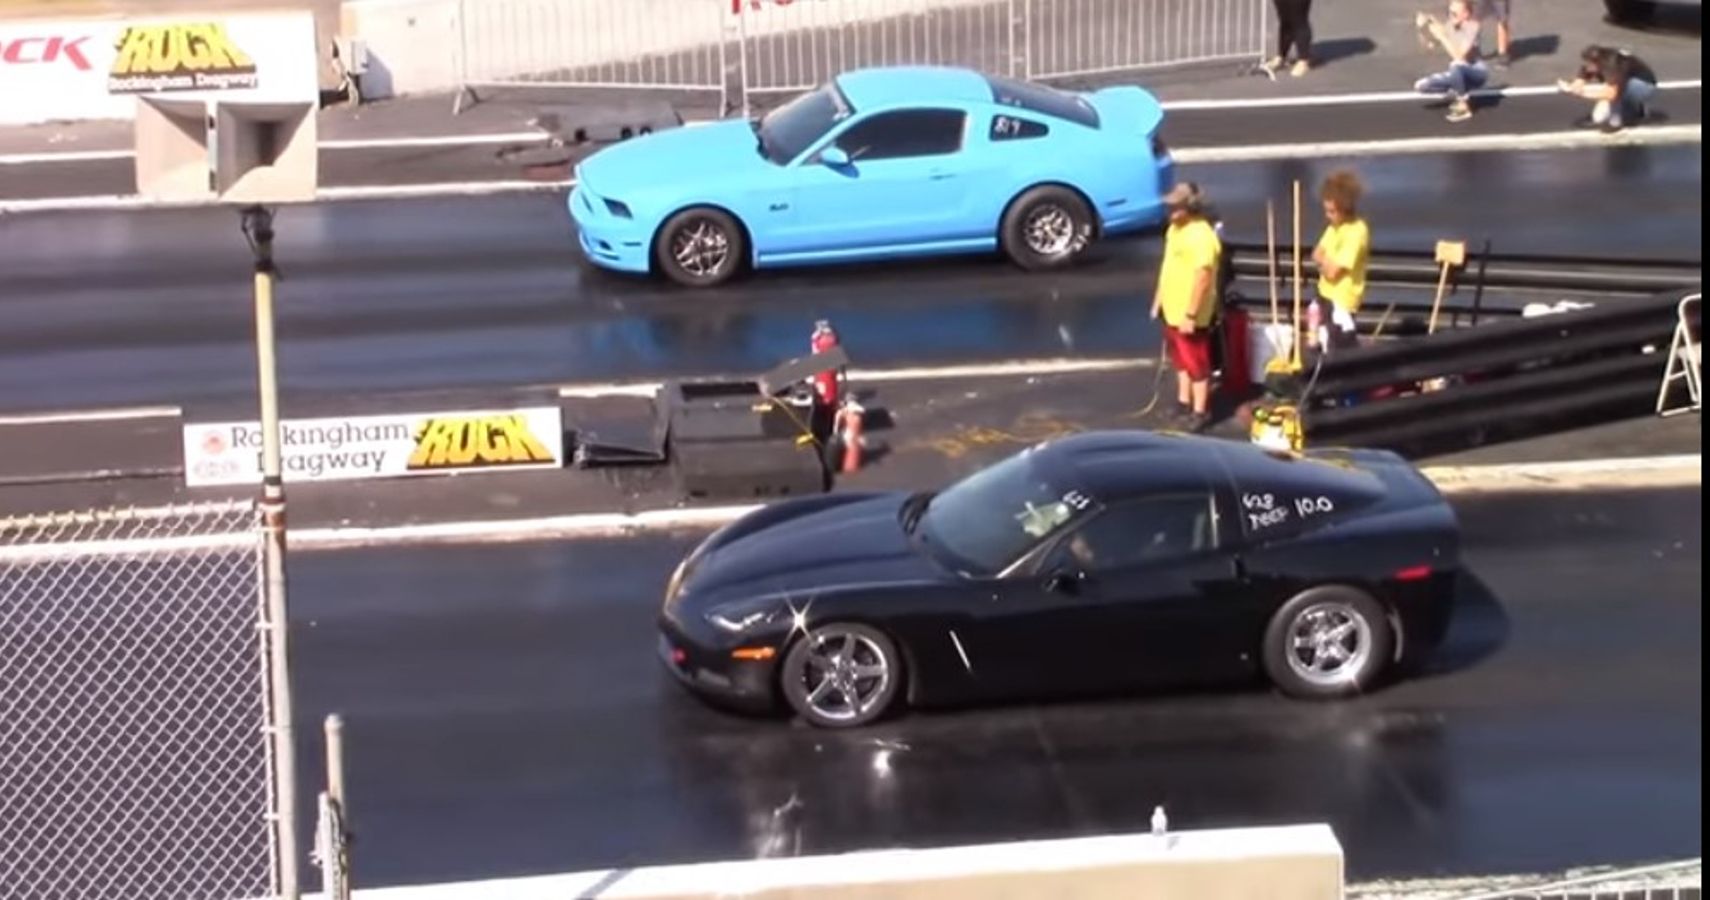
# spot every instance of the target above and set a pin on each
(827, 384)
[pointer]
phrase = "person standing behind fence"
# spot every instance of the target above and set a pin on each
(1458, 37)
(1187, 298)
(1294, 32)
(1342, 253)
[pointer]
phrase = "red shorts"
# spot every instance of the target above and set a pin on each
(1191, 353)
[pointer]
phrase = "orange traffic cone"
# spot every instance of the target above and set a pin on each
(849, 427)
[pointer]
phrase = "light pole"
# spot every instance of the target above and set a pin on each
(258, 229)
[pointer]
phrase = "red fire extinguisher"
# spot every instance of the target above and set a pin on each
(827, 384)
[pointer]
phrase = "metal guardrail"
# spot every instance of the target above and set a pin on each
(740, 49)
(1496, 381)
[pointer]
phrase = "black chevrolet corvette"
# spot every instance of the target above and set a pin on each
(1102, 561)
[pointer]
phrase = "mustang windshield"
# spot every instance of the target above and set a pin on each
(986, 521)
(790, 129)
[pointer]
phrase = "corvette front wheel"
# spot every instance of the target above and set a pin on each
(842, 675)
(1046, 228)
(699, 247)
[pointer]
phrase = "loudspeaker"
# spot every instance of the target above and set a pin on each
(747, 469)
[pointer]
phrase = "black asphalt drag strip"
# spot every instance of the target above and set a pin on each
(506, 716)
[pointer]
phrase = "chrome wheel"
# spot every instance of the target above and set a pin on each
(846, 675)
(1049, 230)
(1329, 643)
(700, 248)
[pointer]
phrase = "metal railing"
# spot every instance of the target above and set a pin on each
(743, 49)
(135, 716)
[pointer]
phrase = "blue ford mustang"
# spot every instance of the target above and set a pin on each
(880, 164)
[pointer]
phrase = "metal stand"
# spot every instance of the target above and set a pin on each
(258, 229)
(1683, 362)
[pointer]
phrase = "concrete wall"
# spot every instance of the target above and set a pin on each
(1301, 862)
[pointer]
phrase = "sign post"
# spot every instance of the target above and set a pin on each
(226, 115)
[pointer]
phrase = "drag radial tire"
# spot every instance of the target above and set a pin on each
(1047, 227)
(841, 675)
(699, 247)
(1328, 642)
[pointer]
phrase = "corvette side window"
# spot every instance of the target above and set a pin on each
(1011, 128)
(1140, 532)
(904, 134)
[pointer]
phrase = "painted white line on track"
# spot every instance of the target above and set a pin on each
(935, 373)
(92, 415)
(1604, 474)
(1505, 93)
(538, 136)
(1552, 140)
(1548, 140)
(1050, 366)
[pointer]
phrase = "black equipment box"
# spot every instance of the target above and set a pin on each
(748, 438)
(748, 469)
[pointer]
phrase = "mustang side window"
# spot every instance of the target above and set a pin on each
(1011, 128)
(1140, 532)
(903, 134)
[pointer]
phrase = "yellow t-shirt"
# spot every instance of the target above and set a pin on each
(1349, 246)
(1188, 248)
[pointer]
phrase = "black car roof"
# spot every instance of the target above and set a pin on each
(1112, 465)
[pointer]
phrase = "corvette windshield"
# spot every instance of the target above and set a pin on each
(790, 129)
(986, 521)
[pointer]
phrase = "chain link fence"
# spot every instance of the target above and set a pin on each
(135, 752)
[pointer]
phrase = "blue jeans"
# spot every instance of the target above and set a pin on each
(1633, 99)
(1460, 80)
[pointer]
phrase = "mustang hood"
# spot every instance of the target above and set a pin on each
(855, 543)
(663, 158)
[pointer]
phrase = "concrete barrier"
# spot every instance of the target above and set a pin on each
(1297, 862)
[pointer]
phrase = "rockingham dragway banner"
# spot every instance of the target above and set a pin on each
(350, 448)
(71, 69)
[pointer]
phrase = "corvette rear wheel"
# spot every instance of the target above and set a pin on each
(1328, 642)
(1045, 228)
(699, 247)
(842, 675)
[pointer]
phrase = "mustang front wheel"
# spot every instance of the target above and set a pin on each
(1328, 642)
(842, 675)
(1046, 227)
(699, 247)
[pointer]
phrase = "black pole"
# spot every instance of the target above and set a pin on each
(1478, 286)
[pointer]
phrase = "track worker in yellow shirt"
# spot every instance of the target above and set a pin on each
(1187, 297)
(1342, 254)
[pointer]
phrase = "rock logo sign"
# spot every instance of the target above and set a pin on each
(186, 57)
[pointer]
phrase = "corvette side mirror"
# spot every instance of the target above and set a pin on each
(834, 157)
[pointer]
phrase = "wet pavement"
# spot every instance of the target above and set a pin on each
(117, 309)
(505, 715)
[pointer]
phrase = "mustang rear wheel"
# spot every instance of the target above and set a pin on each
(842, 675)
(1046, 227)
(699, 247)
(1328, 642)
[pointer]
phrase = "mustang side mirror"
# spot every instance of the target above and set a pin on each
(1064, 581)
(834, 157)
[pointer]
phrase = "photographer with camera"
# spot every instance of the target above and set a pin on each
(1458, 37)
(1618, 83)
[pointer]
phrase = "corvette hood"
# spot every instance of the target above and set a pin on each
(696, 155)
(856, 543)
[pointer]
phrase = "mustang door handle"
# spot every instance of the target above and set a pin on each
(940, 176)
(779, 207)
